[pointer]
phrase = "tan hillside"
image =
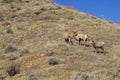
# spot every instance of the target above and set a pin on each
(32, 45)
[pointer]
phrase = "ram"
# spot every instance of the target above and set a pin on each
(80, 37)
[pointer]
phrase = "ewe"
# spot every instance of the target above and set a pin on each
(97, 45)
(68, 37)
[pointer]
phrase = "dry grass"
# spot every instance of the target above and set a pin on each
(38, 26)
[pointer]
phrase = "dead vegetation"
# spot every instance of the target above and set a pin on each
(10, 49)
(13, 69)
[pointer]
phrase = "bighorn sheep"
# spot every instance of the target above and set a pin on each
(68, 37)
(80, 37)
(97, 45)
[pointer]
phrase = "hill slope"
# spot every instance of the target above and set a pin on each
(31, 36)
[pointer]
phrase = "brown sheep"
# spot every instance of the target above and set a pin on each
(97, 45)
(80, 37)
(68, 38)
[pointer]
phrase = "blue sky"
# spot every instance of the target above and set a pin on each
(107, 9)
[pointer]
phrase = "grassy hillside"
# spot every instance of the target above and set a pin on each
(32, 45)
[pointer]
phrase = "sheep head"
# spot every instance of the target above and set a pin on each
(91, 42)
(75, 33)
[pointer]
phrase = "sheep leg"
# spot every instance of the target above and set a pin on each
(96, 50)
(102, 49)
(66, 40)
(86, 40)
(79, 41)
(70, 41)
(85, 43)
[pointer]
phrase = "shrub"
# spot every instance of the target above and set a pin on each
(8, 30)
(12, 70)
(33, 77)
(23, 52)
(7, 1)
(49, 53)
(79, 76)
(37, 13)
(111, 22)
(13, 57)
(10, 49)
(53, 61)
